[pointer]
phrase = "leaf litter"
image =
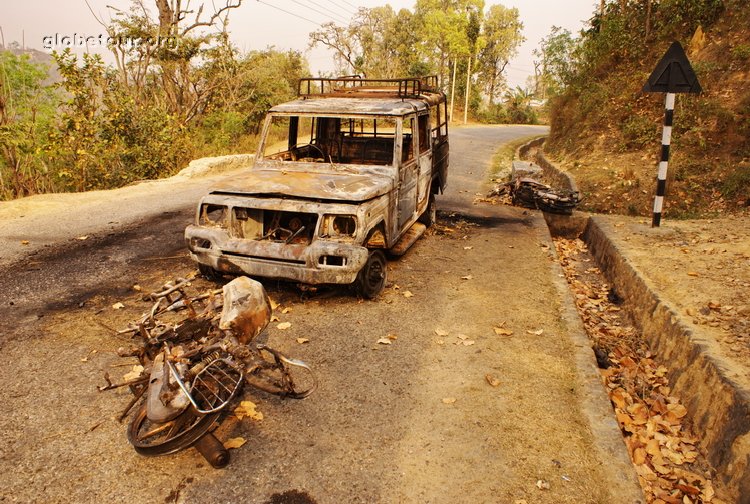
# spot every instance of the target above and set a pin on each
(663, 449)
(247, 409)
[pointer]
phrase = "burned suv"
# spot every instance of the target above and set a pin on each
(343, 174)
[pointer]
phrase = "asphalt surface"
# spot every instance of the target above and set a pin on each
(413, 421)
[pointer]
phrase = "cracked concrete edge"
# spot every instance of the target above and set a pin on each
(617, 467)
(718, 406)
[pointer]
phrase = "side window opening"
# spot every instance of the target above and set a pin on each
(424, 133)
(439, 122)
(407, 149)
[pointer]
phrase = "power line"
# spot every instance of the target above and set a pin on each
(288, 12)
(315, 10)
(329, 10)
(336, 2)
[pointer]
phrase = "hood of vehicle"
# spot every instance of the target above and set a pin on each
(305, 184)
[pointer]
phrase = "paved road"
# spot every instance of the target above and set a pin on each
(414, 421)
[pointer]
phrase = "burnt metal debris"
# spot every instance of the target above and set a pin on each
(529, 193)
(194, 355)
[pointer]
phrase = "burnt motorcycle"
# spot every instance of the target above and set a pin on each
(192, 366)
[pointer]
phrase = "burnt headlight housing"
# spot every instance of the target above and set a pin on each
(338, 226)
(213, 215)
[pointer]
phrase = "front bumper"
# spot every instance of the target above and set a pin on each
(321, 262)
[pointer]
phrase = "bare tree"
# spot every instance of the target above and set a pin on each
(165, 47)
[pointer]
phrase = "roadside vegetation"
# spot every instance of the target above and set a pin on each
(79, 124)
(98, 126)
(607, 132)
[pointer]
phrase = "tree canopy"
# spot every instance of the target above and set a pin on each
(432, 38)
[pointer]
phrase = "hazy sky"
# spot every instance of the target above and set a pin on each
(281, 23)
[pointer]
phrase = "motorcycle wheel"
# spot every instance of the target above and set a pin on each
(152, 439)
(278, 375)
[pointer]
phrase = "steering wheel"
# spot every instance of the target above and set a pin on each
(322, 153)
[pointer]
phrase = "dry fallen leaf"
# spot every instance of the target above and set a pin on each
(542, 485)
(467, 277)
(137, 288)
(234, 442)
(468, 247)
(492, 380)
(678, 410)
(274, 304)
(133, 373)
(639, 456)
(693, 273)
(537, 332)
(24, 242)
(286, 310)
(408, 294)
(663, 470)
(689, 489)
(118, 306)
(302, 340)
(449, 400)
(500, 331)
(246, 409)
(384, 341)
(284, 325)
(441, 332)
(274, 318)
(82, 238)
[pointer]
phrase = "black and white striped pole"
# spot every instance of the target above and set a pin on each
(661, 179)
(673, 74)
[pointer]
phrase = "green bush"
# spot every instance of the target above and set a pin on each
(494, 114)
(638, 132)
(684, 16)
(737, 183)
(741, 52)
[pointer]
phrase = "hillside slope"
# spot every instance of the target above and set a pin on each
(607, 132)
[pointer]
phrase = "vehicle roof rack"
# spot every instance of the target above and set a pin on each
(355, 86)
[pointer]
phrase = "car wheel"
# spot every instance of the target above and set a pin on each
(371, 278)
(429, 216)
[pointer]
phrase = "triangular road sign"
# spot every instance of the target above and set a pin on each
(673, 74)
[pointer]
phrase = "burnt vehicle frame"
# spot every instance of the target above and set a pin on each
(344, 174)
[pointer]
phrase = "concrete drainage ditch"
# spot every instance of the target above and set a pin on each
(717, 406)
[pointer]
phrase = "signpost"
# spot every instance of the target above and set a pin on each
(673, 74)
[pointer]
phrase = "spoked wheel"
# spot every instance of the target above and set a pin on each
(151, 439)
(371, 278)
(277, 374)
